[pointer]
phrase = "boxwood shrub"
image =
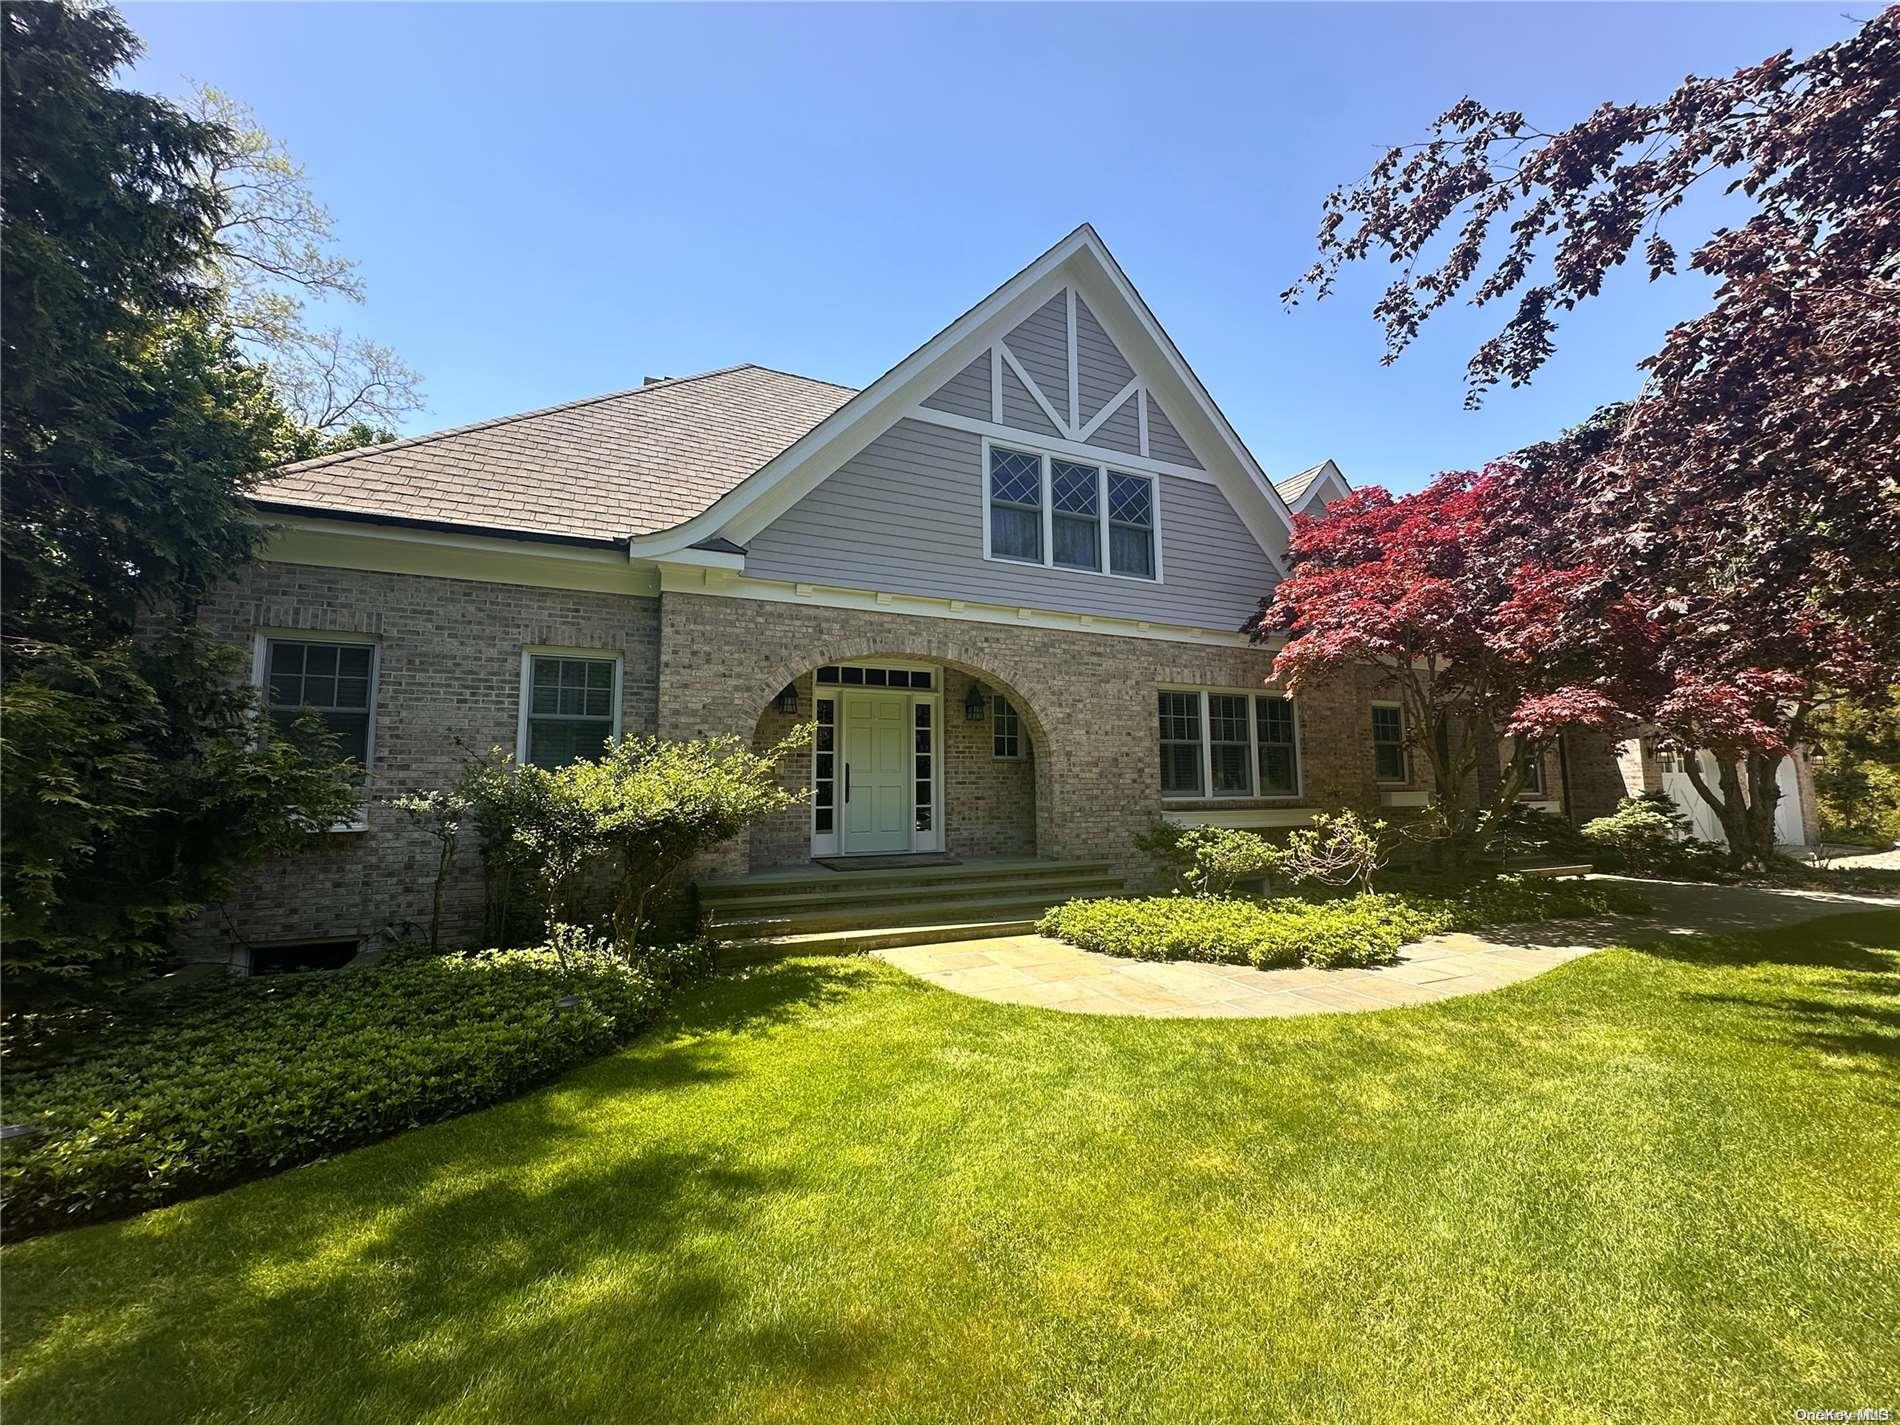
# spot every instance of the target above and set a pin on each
(196, 1089)
(1335, 934)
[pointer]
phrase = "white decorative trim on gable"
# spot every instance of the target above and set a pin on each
(1079, 269)
(1325, 483)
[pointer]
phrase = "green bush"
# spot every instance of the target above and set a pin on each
(1209, 860)
(1360, 931)
(194, 1090)
(1648, 835)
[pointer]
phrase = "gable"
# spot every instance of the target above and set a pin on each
(1075, 361)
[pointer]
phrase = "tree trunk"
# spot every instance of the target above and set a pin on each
(1747, 817)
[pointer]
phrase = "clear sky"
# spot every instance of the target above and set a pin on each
(552, 201)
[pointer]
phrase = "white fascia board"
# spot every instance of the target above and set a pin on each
(682, 579)
(1080, 260)
(1328, 485)
(866, 415)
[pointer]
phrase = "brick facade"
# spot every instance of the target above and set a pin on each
(699, 664)
(448, 687)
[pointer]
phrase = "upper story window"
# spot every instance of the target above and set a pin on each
(1390, 762)
(336, 681)
(1228, 744)
(570, 707)
(1064, 513)
(1015, 505)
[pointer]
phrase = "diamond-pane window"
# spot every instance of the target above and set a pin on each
(1131, 520)
(1015, 478)
(1015, 505)
(1072, 487)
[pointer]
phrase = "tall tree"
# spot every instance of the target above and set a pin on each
(1747, 497)
(1478, 644)
(135, 774)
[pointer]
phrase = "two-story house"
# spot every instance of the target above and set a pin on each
(1006, 580)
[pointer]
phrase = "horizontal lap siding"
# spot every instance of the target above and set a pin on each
(967, 393)
(1042, 345)
(1122, 430)
(1101, 368)
(1164, 441)
(906, 516)
(1020, 409)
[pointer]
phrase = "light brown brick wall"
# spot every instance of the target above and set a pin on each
(1086, 700)
(449, 688)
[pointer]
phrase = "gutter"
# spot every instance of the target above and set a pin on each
(580, 541)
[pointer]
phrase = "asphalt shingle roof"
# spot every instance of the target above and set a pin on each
(1295, 486)
(607, 467)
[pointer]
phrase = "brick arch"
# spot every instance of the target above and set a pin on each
(1000, 675)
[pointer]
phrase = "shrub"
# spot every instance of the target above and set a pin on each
(194, 1090)
(1362, 930)
(1338, 849)
(1209, 860)
(1648, 835)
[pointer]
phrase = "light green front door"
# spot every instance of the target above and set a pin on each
(877, 773)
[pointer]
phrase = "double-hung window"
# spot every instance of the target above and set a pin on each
(336, 681)
(570, 707)
(1070, 514)
(1015, 505)
(1227, 744)
(1390, 762)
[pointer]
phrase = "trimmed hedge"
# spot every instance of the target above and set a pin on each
(195, 1090)
(1334, 934)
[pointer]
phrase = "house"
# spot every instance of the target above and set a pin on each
(1006, 579)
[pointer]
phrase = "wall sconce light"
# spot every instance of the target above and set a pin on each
(787, 700)
(975, 704)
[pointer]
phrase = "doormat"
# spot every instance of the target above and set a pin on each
(886, 863)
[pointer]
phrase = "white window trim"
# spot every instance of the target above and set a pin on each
(831, 843)
(529, 653)
(1102, 469)
(1405, 745)
(1253, 794)
(1016, 713)
(260, 679)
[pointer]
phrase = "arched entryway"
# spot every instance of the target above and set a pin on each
(914, 755)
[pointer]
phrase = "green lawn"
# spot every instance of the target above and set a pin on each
(1648, 1185)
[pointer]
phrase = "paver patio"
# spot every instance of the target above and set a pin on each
(1035, 970)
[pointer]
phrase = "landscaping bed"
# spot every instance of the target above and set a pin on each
(1334, 934)
(177, 1094)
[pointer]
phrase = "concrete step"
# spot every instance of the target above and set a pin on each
(755, 923)
(853, 942)
(719, 890)
(878, 895)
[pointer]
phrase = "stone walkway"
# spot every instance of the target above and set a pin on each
(1034, 970)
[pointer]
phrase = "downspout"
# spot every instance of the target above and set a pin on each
(1563, 775)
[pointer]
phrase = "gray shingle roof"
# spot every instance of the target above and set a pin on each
(603, 468)
(1295, 486)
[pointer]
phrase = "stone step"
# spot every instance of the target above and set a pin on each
(752, 924)
(879, 894)
(719, 890)
(853, 942)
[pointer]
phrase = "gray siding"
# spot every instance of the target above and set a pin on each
(967, 393)
(1020, 408)
(1042, 345)
(906, 516)
(1101, 368)
(1164, 441)
(1122, 430)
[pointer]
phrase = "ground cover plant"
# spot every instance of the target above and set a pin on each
(1358, 930)
(827, 1191)
(165, 1097)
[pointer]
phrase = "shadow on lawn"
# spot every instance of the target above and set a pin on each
(553, 1261)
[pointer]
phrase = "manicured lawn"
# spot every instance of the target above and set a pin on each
(1649, 1185)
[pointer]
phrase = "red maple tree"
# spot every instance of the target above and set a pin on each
(1747, 501)
(1492, 655)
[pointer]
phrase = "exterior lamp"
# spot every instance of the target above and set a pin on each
(787, 700)
(975, 704)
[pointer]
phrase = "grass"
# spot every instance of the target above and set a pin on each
(1653, 1184)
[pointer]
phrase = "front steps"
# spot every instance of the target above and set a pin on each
(816, 911)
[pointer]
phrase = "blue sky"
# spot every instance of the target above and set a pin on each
(552, 201)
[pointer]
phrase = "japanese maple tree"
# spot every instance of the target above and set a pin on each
(1746, 500)
(1477, 643)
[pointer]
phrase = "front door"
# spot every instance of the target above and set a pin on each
(877, 773)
